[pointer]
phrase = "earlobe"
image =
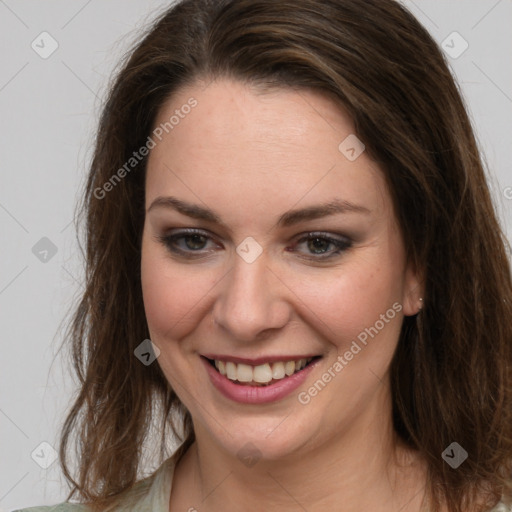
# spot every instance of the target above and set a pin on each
(413, 301)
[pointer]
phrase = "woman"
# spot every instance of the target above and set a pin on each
(287, 199)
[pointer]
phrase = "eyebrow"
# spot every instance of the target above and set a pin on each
(290, 218)
(333, 207)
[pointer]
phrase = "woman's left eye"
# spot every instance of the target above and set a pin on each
(321, 246)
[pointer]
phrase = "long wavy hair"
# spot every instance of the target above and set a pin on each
(452, 371)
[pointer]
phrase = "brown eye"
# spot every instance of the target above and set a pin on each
(318, 245)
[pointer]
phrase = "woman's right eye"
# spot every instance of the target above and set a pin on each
(189, 243)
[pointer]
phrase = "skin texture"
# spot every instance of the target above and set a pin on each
(250, 156)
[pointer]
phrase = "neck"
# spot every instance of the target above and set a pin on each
(337, 475)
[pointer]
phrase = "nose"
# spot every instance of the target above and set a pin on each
(251, 302)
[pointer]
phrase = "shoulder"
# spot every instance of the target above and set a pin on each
(149, 494)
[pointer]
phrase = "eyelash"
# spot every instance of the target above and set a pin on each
(169, 241)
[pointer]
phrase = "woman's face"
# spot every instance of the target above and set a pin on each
(268, 241)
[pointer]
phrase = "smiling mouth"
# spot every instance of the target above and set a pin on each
(260, 375)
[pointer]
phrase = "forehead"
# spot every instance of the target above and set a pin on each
(256, 150)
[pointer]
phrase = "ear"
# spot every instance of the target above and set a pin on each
(413, 291)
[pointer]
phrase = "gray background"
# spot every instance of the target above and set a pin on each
(49, 107)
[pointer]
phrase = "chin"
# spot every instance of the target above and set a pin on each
(270, 438)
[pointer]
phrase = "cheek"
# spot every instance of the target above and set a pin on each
(175, 296)
(349, 302)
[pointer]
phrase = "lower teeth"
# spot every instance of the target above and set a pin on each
(252, 383)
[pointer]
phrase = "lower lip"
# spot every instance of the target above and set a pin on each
(257, 394)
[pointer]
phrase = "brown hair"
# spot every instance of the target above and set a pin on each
(451, 374)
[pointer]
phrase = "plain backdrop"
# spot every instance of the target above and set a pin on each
(56, 59)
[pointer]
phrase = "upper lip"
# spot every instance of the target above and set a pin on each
(257, 360)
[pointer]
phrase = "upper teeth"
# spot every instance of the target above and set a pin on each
(262, 373)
